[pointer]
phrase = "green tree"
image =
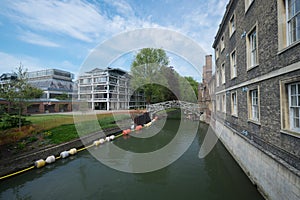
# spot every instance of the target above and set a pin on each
(173, 91)
(146, 71)
(188, 89)
(194, 84)
(17, 92)
(63, 96)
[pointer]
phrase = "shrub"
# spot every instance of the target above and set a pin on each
(10, 121)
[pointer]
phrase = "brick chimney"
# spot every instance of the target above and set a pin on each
(207, 69)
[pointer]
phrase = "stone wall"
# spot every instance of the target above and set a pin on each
(269, 128)
(274, 178)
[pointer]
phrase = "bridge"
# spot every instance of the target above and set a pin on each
(190, 110)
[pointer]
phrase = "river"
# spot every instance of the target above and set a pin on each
(217, 176)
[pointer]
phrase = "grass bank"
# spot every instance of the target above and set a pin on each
(55, 129)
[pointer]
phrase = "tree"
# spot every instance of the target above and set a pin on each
(63, 96)
(187, 89)
(146, 71)
(194, 84)
(17, 92)
(173, 93)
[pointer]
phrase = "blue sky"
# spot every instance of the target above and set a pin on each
(61, 34)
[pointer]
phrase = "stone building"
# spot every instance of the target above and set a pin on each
(108, 89)
(257, 97)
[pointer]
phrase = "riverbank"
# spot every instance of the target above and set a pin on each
(26, 159)
(21, 154)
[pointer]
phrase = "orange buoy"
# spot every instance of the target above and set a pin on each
(124, 132)
(139, 127)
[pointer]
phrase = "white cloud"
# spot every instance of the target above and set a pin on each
(77, 19)
(122, 7)
(9, 63)
(91, 21)
(32, 38)
(202, 24)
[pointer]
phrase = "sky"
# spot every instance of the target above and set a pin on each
(63, 34)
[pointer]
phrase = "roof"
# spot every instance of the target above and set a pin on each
(8, 76)
(228, 7)
(97, 70)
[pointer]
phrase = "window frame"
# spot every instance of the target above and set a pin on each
(233, 65)
(289, 19)
(218, 77)
(252, 50)
(284, 106)
(234, 104)
(292, 107)
(251, 106)
(248, 4)
(217, 53)
(232, 22)
(223, 73)
(222, 43)
(224, 103)
(218, 106)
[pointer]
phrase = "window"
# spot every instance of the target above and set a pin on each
(290, 105)
(253, 108)
(218, 77)
(293, 20)
(231, 25)
(224, 103)
(223, 73)
(288, 23)
(252, 51)
(294, 106)
(233, 65)
(222, 43)
(248, 3)
(218, 103)
(217, 53)
(233, 104)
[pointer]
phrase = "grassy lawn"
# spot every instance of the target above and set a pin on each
(46, 122)
(56, 129)
(67, 132)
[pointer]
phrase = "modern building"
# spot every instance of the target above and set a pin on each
(257, 83)
(53, 82)
(7, 77)
(108, 89)
(57, 86)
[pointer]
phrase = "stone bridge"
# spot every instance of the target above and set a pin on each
(190, 110)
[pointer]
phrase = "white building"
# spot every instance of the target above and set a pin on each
(108, 89)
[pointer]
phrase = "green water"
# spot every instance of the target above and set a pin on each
(217, 176)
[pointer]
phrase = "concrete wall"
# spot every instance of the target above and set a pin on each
(276, 180)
